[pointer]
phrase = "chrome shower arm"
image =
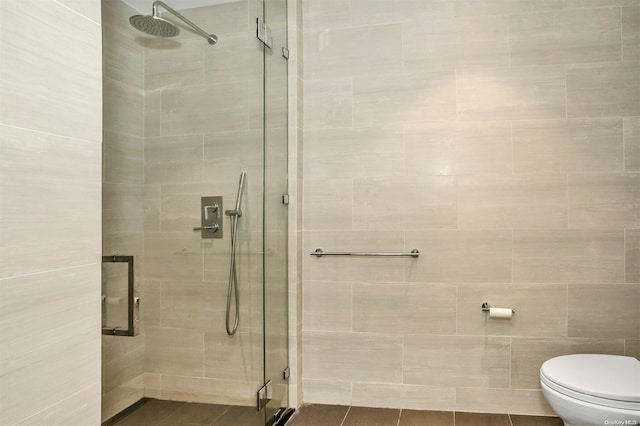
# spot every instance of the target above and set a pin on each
(211, 38)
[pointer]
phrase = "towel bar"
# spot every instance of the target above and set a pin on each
(319, 253)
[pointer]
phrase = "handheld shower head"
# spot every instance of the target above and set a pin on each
(238, 211)
(159, 27)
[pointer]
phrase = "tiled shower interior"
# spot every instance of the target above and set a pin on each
(182, 120)
(499, 138)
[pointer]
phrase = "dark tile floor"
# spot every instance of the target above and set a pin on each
(171, 413)
(335, 415)
(155, 412)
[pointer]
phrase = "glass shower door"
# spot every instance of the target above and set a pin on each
(183, 120)
(275, 207)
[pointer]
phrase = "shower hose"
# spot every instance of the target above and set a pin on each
(232, 292)
(233, 279)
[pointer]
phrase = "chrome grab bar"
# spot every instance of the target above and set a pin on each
(319, 253)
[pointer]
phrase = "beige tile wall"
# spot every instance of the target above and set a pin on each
(200, 131)
(50, 143)
(500, 138)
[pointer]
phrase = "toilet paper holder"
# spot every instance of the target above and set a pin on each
(486, 307)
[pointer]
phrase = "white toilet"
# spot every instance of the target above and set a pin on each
(593, 390)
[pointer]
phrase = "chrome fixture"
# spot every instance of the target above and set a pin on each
(486, 307)
(156, 26)
(232, 291)
(210, 224)
(319, 253)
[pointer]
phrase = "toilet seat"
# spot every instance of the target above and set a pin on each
(607, 380)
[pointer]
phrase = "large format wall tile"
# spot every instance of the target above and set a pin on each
(347, 356)
(123, 107)
(39, 88)
(449, 44)
(575, 256)
(175, 159)
(450, 256)
(386, 99)
(122, 209)
(329, 103)
(325, 15)
(623, 300)
(403, 396)
(226, 18)
(326, 305)
(404, 308)
(632, 144)
(631, 33)
(454, 148)
(327, 391)
(238, 58)
(84, 404)
(122, 56)
(169, 63)
(227, 154)
(63, 175)
(511, 93)
(513, 401)
(369, 12)
(350, 52)
(191, 305)
(576, 4)
(632, 255)
(353, 152)
(603, 90)
(329, 196)
(48, 380)
(233, 359)
(632, 347)
(559, 37)
(205, 108)
(122, 158)
(604, 200)
(503, 7)
(173, 256)
(575, 145)
(512, 201)
(174, 351)
(425, 203)
(452, 361)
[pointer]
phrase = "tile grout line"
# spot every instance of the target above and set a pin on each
(345, 415)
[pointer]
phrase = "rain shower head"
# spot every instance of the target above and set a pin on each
(154, 26)
(159, 27)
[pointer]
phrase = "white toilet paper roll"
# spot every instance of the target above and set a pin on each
(500, 313)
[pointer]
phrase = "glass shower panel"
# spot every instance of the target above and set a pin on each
(205, 125)
(183, 119)
(276, 284)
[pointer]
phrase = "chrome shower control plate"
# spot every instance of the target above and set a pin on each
(210, 218)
